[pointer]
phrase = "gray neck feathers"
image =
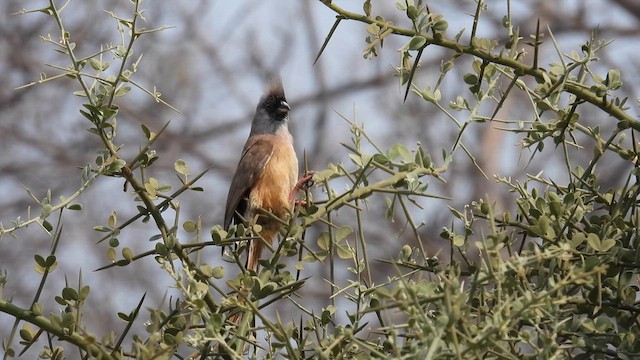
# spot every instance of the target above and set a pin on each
(262, 124)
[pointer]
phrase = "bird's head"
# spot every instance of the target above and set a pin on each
(272, 112)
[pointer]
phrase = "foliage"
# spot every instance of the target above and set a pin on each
(556, 275)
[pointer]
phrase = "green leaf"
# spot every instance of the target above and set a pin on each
(607, 244)
(343, 232)
(217, 234)
(483, 43)
(123, 316)
(27, 333)
(75, 207)
(181, 167)
(440, 26)
(399, 150)
(69, 294)
(613, 79)
(417, 42)
(430, 95)
(46, 211)
(42, 266)
(127, 254)
(389, 213)
(36, 309)
(50, 261)
(367, 7)
(324, 241)
(470, 79)
(405, 252)
(577, 239)
(314, 257)
(122, 262)
(447, 66)
(112, 219)
(206, 269)
(373, 29)
(458, 240)
(412, 12)
(40, 260)
(218, 272)
(344, 252)
(356, 159)
(327, 315)
(114, 242)
(151, 190)
(122, 91)
(111, 254)
(108, 113)
(47, 225)
(84, 292)
(117, 165)
(146, 131)
(68, 319)
(55, 320)
(594, 241)
(95, 64)
(324, 175)
(190, 226)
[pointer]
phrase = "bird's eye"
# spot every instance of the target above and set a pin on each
(269, 105)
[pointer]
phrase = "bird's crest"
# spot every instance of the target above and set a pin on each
(274, 87)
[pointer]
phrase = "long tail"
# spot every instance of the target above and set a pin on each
(256, 246)
(255, 250)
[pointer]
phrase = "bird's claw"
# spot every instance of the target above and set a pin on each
(305, 182)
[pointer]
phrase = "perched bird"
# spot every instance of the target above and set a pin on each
(266, 178)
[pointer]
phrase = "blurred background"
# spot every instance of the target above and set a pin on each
(211, 66)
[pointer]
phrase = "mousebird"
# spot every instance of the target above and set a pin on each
(265, 181)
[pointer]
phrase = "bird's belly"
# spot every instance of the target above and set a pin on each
(271, 191)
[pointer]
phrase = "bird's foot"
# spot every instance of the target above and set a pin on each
(304, 183)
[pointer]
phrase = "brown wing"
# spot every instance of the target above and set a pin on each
(257, 153)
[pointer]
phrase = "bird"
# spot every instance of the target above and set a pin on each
(266, 178)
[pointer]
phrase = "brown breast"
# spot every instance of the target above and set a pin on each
(271, 191)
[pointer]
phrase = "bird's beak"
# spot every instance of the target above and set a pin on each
(284, 107)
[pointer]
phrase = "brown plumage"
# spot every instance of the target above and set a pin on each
(267, 172)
